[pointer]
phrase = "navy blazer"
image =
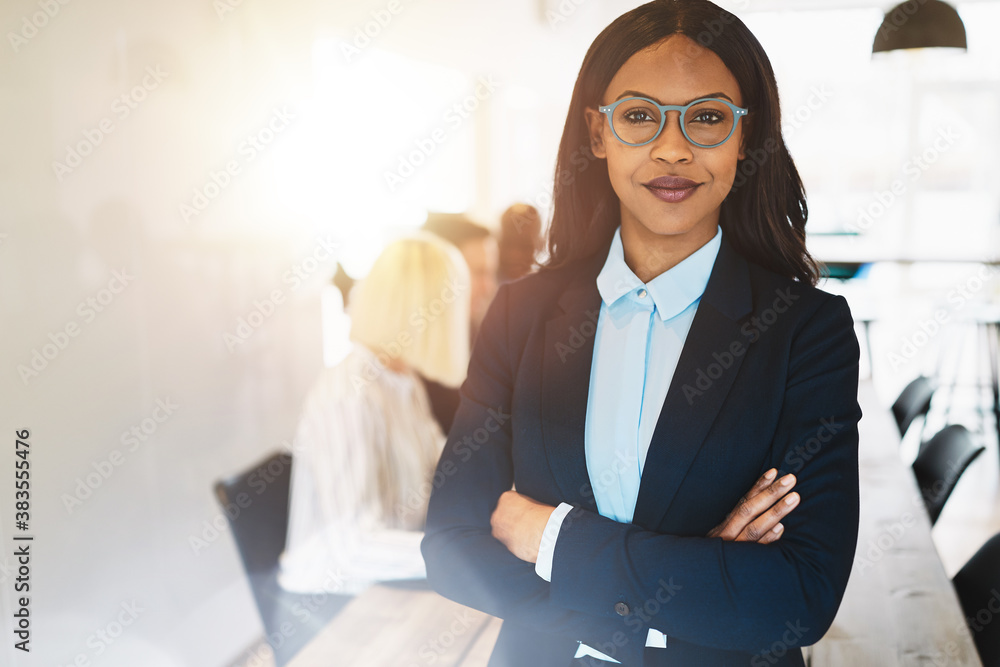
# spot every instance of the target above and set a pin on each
(767, 377)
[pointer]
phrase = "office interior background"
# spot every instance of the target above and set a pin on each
(170, 169)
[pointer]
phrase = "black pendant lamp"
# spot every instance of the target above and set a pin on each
(919, 24)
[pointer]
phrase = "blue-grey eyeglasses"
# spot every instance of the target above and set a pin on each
(707, 122)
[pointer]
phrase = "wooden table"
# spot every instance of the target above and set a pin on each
(899, 608)
(391, 627)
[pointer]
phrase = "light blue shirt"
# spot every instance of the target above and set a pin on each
(641, 326)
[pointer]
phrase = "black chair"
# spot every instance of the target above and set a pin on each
(977, 585)
(912, 403)
(256, 504)
(938, 467)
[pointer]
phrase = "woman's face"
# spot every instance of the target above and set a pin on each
(676, 70)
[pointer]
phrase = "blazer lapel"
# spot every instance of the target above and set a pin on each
(686, 416)
(566, 363)
(682, 425)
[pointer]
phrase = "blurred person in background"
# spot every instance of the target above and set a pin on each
(520, 241)
(367, 439)
(479, 248)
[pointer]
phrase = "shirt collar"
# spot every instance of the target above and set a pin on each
(672, 291)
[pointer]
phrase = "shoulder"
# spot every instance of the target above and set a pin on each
(810, 327)
(781, 295)
(542, 284)
(353, 379)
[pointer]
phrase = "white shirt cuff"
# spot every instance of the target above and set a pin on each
(656, 638)
(547, 548)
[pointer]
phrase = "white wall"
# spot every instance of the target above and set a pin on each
(160, 336)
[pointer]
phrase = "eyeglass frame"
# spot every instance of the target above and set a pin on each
(609, 110)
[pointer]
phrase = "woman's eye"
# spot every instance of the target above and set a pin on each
(636, 116)
(708, 116)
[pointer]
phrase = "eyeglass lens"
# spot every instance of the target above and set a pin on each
(707, 123)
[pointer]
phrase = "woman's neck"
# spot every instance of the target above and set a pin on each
(649, 254)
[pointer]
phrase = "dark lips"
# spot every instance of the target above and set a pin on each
(671, 183)
(673, 195)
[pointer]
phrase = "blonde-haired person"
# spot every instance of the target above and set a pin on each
(367, 441)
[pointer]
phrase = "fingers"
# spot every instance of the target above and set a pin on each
(758, 486)
(761, 484)
(772, 535)
(764, 499)
(751, 507)
(762, 529)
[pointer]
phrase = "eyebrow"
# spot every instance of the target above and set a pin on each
(634, 93)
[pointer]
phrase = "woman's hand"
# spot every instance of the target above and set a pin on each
(518, 522)
(757, 515)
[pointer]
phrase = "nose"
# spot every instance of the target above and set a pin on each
(672, 145)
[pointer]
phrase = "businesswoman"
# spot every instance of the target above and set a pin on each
(673, 350)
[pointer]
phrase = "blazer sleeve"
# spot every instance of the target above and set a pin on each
(743, 595)
(465, 563)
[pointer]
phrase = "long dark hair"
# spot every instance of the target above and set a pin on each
(763, 216)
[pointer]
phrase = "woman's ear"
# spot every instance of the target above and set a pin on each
(595, 125)
(745, 128)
